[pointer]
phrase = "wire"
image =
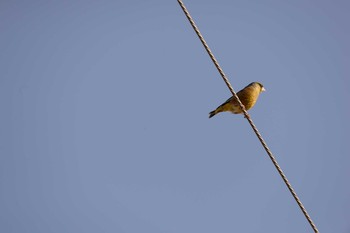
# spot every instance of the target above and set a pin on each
(247, 116)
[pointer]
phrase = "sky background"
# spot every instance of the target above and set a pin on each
(104, 116)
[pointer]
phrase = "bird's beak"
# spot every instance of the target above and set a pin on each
(263, 89)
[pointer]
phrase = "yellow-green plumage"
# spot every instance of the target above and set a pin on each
(248, 96)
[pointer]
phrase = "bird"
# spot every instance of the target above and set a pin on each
(248, 96)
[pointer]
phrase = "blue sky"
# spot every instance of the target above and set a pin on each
(104, 116)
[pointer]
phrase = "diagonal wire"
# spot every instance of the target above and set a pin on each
(247, 116)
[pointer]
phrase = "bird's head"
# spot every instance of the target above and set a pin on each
(258, 85)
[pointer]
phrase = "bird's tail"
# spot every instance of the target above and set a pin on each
(212, 113)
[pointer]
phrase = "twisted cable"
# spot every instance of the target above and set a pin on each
(247, 116)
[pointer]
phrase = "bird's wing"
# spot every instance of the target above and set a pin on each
(231, 100)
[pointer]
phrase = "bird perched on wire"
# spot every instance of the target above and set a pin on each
(248, 96)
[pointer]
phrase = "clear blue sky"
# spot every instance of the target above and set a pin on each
(104, 116)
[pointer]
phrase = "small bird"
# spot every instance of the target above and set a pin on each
(248, 96)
